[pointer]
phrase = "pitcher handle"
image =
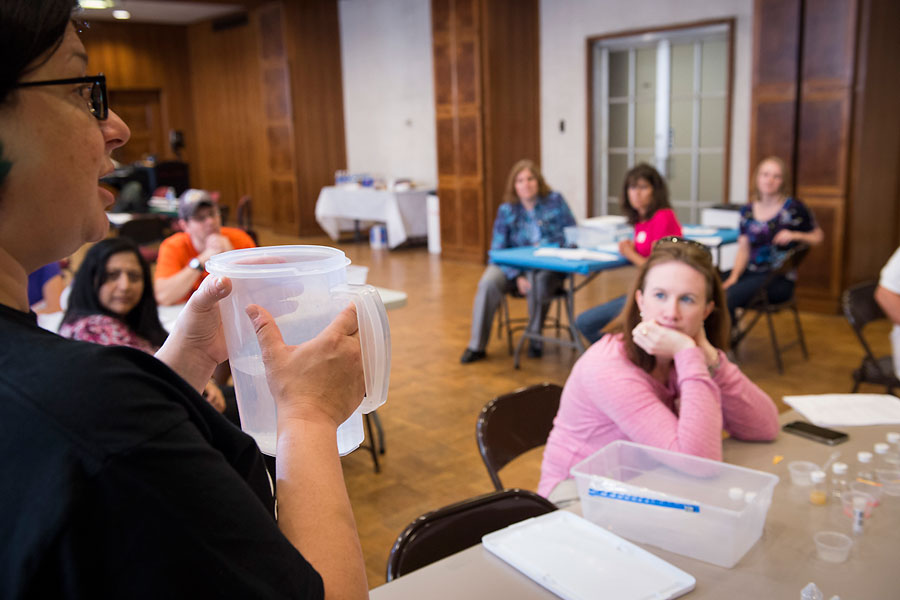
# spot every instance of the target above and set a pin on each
(374, 340)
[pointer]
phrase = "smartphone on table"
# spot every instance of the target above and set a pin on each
(816, 433)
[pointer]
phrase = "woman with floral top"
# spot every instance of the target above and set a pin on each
(771, 224)
(112, 304)
(531, 215)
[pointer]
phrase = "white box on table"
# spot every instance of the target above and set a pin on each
(681, 503)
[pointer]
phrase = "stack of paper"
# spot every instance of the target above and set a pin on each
(829, 410)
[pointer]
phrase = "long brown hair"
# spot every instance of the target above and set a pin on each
(509, 193)
(717, 325)
(660, 192)
(785, 189)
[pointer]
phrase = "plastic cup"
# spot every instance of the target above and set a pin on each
(832, 546)
(304, 288)
(868, 488)
(848, 498)
(801, 470)
(889, 480)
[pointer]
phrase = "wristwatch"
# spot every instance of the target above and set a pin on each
(196, 264)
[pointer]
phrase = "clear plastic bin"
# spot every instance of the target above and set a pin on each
(590, 237)
(697, 507)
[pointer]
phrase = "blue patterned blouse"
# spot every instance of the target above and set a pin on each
(763, 253)
(515, 226)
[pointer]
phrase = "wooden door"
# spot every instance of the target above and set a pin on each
(140, 109)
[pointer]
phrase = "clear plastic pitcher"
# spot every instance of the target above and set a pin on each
(304, 288)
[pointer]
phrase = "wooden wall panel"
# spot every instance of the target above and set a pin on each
(314, 55)
(776, 68)
(820, 273)
(873, 217)
(147, 58)
(229, 112)
(511, 82)
(486, 79)
(822, 144)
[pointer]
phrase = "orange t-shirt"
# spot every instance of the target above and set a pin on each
(176, 251)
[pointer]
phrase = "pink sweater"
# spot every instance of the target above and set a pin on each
(608, 398)
(662, 223)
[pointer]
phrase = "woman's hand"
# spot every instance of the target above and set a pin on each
(709, 351)
(659, 341)
(626, 247)
(197, 343)
(784, 237)
(320, 379)
(214, 396)
(523, 285)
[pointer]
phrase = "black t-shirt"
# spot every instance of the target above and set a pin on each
(117, 480)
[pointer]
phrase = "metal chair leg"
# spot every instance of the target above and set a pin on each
(775, 347)
(379, 430)
(372, 445)
(800, 337)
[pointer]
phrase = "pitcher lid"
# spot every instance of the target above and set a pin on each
(277, 261)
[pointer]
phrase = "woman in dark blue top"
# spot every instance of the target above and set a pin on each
(771, 224)
(531, 215)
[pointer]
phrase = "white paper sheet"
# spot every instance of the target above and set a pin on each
(827, 410)
(576, 254)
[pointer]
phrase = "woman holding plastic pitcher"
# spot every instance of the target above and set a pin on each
(119, 479)
(664, 380)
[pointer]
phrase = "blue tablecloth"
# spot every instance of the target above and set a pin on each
(524, 258)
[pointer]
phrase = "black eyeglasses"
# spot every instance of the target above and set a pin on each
(674, 239)
(93, 91)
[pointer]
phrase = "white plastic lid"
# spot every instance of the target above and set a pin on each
(839, 468)
(817, 476)
(864, 457)
(276, 261)
(881, 447)
(893, 437)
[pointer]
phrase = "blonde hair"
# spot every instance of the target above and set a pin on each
(785, 188)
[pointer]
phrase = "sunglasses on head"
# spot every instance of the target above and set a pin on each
(676, 240)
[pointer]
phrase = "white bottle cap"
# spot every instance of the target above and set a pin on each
(864, 457)
(893, 437)
(839, 468)
(735, 493)
(817, 476)
(881, 448)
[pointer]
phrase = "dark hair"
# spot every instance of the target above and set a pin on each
(84, 299)
(717, 325)
(29, 29)
(509, 193)
(660, 192)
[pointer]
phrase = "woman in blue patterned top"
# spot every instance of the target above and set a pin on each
(531, 215)
(771, 224)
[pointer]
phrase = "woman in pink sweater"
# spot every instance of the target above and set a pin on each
(645, 204)
(664, 380)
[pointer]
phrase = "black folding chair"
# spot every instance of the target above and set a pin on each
(514, 423)
(440, 533)
(861, 309)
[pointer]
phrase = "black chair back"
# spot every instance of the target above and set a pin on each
(860, 309)
(440, 533)
(514, 423)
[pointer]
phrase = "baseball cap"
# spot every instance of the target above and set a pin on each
(192, 200)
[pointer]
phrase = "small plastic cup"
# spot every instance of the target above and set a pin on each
(868, 488)
(848, 497)
(832, 546)
(801, 471)
(889, 480)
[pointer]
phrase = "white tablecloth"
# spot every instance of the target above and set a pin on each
(404, 214)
